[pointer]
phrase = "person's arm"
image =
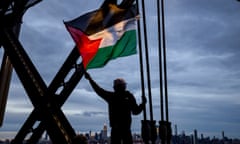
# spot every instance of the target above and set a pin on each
(136, 109)
(100, 91)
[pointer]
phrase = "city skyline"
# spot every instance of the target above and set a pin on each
(202, 58)
(104, 134)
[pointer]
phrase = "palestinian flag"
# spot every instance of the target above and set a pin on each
(104, 34)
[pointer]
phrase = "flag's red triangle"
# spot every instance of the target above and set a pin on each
(87, 48)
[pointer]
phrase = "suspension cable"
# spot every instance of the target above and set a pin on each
(141, 62)
(160, 60)
(165, 63)
(147, 61)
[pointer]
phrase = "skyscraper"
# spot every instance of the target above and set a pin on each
(195, 137)
(104, 132)
(176, 131)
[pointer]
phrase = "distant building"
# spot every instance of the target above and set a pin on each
(104, 132)
(195, 137)
(176, 131)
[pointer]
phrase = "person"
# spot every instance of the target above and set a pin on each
(121, 105)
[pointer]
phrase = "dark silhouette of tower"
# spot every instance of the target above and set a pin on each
(176, 131)
(195, 137)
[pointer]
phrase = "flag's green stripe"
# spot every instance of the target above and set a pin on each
(124, 47)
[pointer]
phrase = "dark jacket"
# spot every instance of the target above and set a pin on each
(120, 105)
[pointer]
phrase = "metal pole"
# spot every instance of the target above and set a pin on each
(167, 124)
(5, 78)
(165, 59)
(160, 61)
(147, 61)
(151, 123)
(141, 62)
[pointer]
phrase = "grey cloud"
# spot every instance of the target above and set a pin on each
(90, 114)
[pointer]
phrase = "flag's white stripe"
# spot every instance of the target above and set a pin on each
(112, 34)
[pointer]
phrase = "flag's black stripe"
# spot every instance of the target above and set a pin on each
(102, 18)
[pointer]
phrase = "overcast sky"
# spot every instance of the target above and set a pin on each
(203, 48)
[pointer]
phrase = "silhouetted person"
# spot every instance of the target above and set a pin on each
(121, 104)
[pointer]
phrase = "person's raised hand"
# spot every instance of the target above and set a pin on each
(144, 100)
